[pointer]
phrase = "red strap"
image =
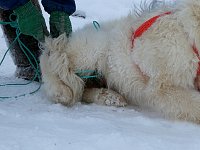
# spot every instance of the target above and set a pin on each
(146, 25)
(197, 54)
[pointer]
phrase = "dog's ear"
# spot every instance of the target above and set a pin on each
(62, 38)
(56, 44)
(60, 43)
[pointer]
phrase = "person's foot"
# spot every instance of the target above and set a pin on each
(27, 73)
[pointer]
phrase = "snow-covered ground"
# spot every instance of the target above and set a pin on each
(32, 122)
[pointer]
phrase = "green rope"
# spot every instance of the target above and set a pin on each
(81, 72)
(96, 25)
(25, 49)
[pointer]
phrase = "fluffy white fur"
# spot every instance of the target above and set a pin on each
(157, 73)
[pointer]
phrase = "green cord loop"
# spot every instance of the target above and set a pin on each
(26, 51)
(94, 73)
(96, 25)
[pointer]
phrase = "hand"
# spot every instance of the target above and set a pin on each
(31, 22)
(59, 23)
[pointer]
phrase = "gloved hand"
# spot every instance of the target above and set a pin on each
(59, 23)
(31, 22)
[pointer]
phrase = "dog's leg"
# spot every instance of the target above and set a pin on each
(25, 63)
(103, 96)
(66, 92)
(174, 102)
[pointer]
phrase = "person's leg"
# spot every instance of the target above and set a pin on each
(24, 69)
(59, 20)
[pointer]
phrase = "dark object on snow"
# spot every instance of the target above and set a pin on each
(79, 13)
(24, 69)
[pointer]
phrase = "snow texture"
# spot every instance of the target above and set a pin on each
(32, 122)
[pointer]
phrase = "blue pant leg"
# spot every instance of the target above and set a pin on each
(67, 6)
(11, 4)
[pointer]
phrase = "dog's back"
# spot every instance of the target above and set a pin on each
(158, 71)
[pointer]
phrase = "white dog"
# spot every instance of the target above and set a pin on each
(151, 67)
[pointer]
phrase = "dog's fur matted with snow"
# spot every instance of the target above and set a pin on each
(156, 70)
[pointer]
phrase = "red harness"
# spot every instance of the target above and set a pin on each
(147, 24)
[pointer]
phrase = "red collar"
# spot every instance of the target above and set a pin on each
(147, 24)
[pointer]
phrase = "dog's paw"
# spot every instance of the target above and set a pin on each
(62, 94)
(104, 97)
(111, 98)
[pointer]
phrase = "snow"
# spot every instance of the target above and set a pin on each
(32, 122)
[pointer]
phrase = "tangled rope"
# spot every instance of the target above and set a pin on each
(26, 51)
